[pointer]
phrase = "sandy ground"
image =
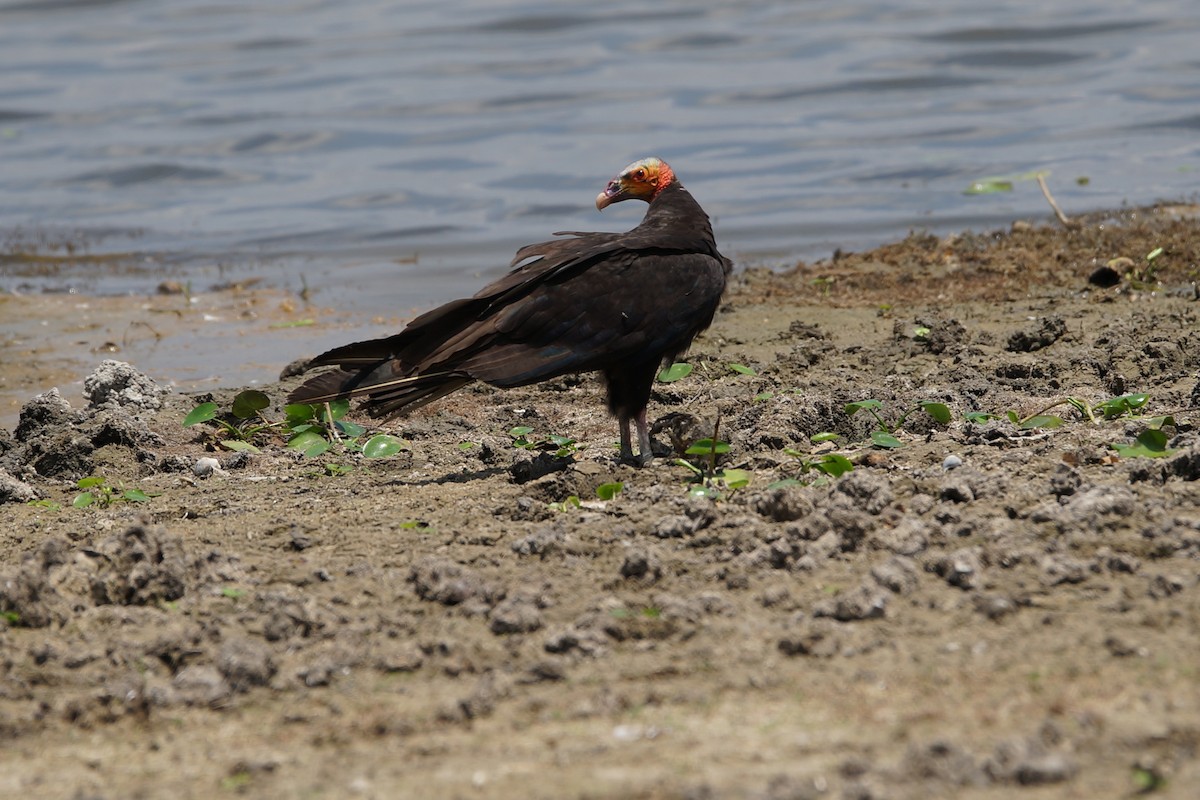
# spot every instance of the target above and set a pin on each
(991, 610)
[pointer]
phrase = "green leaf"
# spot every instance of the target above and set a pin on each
(560, 441)
(742, 369)
(1125, 404)
(1158, 422)
(703, 447)
(1013, 418)
(823, 436)
(383, 445)
(248, 403)
(136, 495)
(338, 408)
(1153, 254)
(83, 500)
(298, 413)
(833, 465)
(885, 440)
(758, 398)
(310, 443)
(679, 462)
(1150, 443)
(784, 483)
(414, 524)
(239, 446)
(939, 411)
(201, 413)
(1040, 421)
(607, 491)
(675, 372)
(700, 490)
(519, 431)
(88, 483)
(351, 430)
(736, 478)
(232, 593)
(854, 408)
(978, 416)
(465, 445)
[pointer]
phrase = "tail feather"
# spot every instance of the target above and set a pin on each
(388, 394)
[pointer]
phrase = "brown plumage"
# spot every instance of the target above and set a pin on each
(615, 303)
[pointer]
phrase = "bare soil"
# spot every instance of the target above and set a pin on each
(988, 611)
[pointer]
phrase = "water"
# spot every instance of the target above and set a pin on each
(393, 155)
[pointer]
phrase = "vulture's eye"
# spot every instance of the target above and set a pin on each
(640, 175)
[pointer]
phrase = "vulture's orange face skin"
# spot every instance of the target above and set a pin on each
(641, 180)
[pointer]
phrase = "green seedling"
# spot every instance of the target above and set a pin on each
(885, 435)
(742, 369)
(675, 372)
(1147, 780)
(832, 465)
(1144, 276)
(607, 491)
(707, 480)
(646, 612)
(572, 501)
(247, 419)
(50, 504)
(561, 446)
(96, 491)
(311, 429)
(1112, 408)
(1150, 443)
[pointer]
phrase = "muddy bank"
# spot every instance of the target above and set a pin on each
(992, 609)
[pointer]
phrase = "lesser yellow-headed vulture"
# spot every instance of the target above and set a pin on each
(615, 303)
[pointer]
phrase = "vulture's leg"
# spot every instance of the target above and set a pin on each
(626, 444)
(645, 452)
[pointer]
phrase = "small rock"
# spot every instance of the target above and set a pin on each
(1047, 333)
(994, 606)
(1049, 768)
(515, 615)
(818, 639)
(206, 466)
(201, 685)
(962, 568)
(898, 574)
(957, 491)
(864, 602)
(951, 462)
(641, 564)
(13, 490)
(541, 542)
(1163, 586)
(246, 663)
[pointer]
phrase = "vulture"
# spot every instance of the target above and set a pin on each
(615, 303)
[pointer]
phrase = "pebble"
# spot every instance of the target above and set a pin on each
(952, 462)
(206, 466)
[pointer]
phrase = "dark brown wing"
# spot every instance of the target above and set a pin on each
(588, 302)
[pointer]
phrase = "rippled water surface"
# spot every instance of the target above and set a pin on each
(389, 155)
